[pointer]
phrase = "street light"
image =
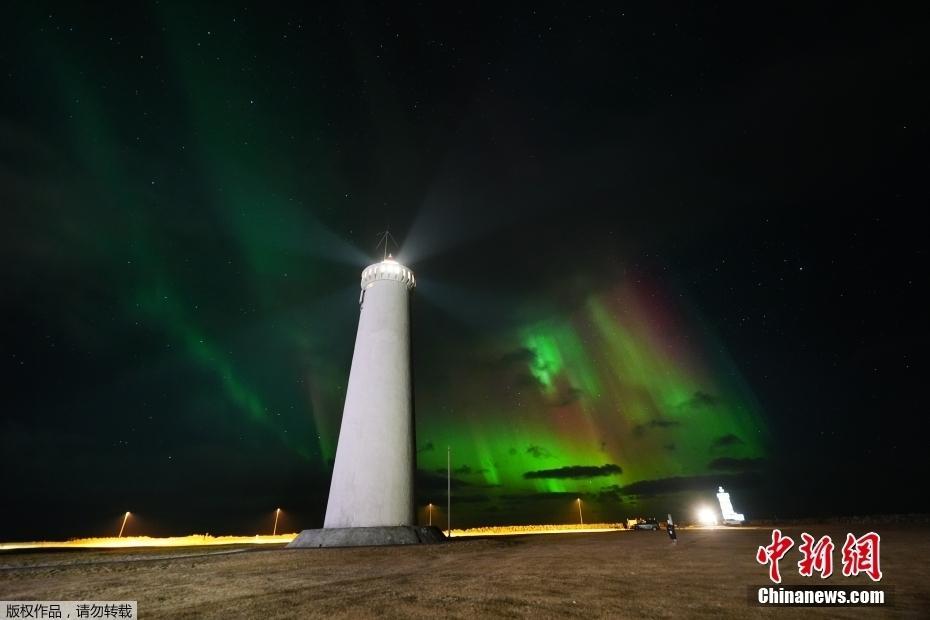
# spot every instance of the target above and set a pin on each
(123, 526)
(580, 516)
(430, 507)
(277, 513)
(448, 491)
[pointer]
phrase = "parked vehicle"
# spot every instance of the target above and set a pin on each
(647, 524)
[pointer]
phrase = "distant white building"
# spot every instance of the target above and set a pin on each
(730, 516)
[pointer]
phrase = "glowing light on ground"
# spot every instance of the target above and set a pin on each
(706, 516)
(197, 540)
(516, 530)
(194, 540)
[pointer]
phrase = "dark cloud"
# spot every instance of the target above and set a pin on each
(427, 447)
(568, 396)
(541, 495)
(725, 441)
(472, 499)
(538, 452)
(526, 380)
(518, 356)
(463, 470)
(700, 400)
(429, 482)
(677, 484)
(726, 463)
(608, 494)
(640, 429)
(576, 471)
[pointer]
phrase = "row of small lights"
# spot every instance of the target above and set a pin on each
(277, 515)
(706, 516)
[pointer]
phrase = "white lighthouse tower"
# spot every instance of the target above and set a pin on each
(373, 476)
(371, 498)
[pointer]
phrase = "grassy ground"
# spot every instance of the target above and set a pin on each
(612, 574)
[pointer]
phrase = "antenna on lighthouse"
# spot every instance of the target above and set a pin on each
(385, 237)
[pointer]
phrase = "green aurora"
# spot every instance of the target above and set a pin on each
(213, 206)
(618, 382)
(622, 390)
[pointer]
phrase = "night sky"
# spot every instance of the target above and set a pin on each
(656, 252)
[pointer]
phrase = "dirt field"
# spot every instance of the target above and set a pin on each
(614, 574)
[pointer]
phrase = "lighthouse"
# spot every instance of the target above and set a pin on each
(371, 496)
(373, 474)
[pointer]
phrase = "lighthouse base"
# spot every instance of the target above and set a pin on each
(367, 536)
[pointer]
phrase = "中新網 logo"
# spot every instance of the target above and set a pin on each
(859, 555)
